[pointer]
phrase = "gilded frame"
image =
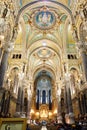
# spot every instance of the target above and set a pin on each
(13, 123)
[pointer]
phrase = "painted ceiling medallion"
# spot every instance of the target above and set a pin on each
(44, 19)
(44, 53)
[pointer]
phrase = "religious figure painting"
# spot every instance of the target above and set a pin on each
(12, 123)
(11, 126)
(44, 19)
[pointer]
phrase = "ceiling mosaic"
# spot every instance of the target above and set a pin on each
(44, 19)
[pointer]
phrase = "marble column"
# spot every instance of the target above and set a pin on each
(79, 103)
(41, 96)
(46, 97)
(85, 94)
(0, 52)
(82, 47)
(84, 59)
(66, 105)
(84, 104)
(22, 101)
(3, 67)
(70, 116)
(18, 104)
(29, 102)
(59, 115)
(28, 108)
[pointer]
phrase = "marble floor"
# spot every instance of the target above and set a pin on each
(43, 128)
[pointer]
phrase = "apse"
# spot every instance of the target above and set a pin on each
(43, 89)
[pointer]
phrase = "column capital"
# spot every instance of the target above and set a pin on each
(75, 33)
(58, 92)
(8, 16)
(82, 9)
(21, 75)
(67, 76)
(82, 46)
(8, 47)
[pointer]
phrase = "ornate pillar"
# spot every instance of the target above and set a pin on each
(3, 66)
(41, 96)
(0, 52)
(70, 116)
(37, 99)
(66, 104)
(79, 103)
(18, 104)
(29, 101)
(84, 58)
(46, 97)
(7, 47)
(22, 101)
(83, 50)
(20, 96)
(29, 107)
(59, 115)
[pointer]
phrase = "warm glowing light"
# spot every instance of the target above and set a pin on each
(37, 113)
(55, 111)
(50, 113)
(43, 114)
(32, 111)
(1, 37)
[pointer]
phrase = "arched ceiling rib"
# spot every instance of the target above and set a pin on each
(49, 73)
(49, 44)
(55, 39)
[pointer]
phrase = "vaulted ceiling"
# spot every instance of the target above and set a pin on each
(45, 34)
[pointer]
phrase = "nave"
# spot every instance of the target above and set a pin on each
(43, 62)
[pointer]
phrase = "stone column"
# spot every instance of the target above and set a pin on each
(3, 67)
(20, 97)
(70, 118)
(28, 108)
(22, 101)
(84, 59)
(29, 102)
(18, 104)
(41, 96)
(59, 116)
(66, 105)
(46, 97)
(79, 103)
(82, 46)
(0, 52)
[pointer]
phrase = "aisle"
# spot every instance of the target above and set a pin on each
(43, 128)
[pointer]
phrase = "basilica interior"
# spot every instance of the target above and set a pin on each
(43, 59)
